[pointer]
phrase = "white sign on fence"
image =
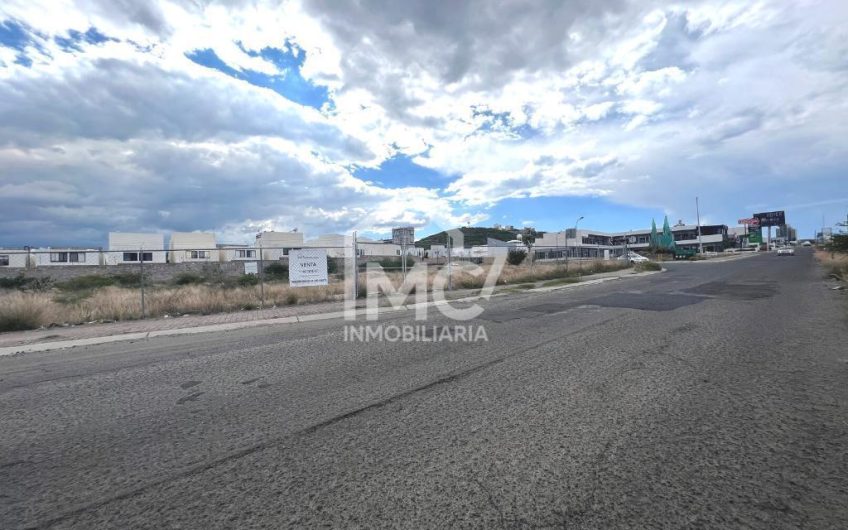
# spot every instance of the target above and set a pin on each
(250, 267)
(307, 267)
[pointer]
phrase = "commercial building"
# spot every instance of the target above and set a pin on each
(595, 244)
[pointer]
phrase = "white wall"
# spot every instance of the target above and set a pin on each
(378, 249)
(17, 258)
(183, 243)
(239, 253)
(87, 256)
(276, 244)
(333, 243)
(131, 242)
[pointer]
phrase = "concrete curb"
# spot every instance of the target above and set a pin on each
(144, 335)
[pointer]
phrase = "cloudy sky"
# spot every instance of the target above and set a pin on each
(333, 116)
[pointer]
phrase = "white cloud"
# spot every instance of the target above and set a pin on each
(641, 102)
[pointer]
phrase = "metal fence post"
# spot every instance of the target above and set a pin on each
(141, 279)
(261, 272)
(355, 269)
(450, 273)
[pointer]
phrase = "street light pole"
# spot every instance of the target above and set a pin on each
(698, 213)
(566, 241)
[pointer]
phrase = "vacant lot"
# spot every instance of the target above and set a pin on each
(29, 304)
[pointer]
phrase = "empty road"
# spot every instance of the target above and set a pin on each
(710, 395)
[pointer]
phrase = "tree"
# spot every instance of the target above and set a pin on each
(528, 236)
(838, 243)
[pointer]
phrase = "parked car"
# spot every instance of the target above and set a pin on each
(786, 251)
(632, 257)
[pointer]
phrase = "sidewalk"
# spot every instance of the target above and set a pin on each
(65, 336)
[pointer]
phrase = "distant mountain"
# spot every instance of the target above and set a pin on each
(471, 236)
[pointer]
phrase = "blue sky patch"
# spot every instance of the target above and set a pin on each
(18, 37)
(290, 84)
(401, 172)
(558, 213)
(75, 38)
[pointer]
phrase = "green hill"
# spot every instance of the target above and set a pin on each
(472, 236)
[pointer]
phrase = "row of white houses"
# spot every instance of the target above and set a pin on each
(126, 248)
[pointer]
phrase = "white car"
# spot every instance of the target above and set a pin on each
(632, 257)
(786, 251)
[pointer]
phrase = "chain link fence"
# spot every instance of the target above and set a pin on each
(41, 287)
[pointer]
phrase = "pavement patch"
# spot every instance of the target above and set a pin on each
(735, 291)
(549, 308)
(507, 316)
(646, 302)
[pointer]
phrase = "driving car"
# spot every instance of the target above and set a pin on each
(786, 251)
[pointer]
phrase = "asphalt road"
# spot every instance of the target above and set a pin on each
(712, 395)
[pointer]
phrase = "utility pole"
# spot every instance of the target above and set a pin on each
(698, 214)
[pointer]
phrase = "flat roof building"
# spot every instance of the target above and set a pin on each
(126, 248)
(193, 246)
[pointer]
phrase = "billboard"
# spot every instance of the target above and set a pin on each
(404, 236)
(307, 267)
(771, 218)
(755, 235)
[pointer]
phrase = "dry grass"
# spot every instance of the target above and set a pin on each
(463, 277)
(29, 310)
(19, 311)
(835, 263)
(32, 310)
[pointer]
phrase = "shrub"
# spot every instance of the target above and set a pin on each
(277, 271)
(20, 311)
(127, 279)
(647, 266)
(188, 278)
(515, 257)
(246, 280)
(40, 284)
(86, 283)
(291, 298)
(18, 282)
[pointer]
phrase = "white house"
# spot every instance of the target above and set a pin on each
(275, 245)
(193, 246)
(369, 247)
(66, 256)
(334, 244)
(236, 252)
(15, 258)
(130, 248)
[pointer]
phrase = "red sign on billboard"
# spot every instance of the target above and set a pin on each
(753, 221)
